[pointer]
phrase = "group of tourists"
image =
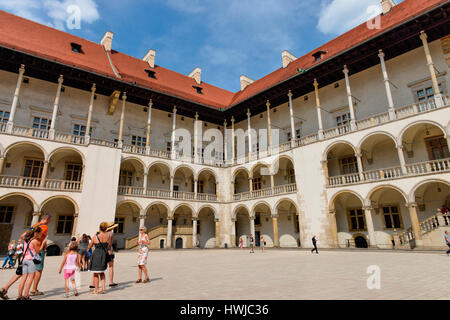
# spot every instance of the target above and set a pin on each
(83, 254)
(251, 241)
(13, 255)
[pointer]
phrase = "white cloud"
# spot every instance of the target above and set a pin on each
(51, 12)
(339, 16)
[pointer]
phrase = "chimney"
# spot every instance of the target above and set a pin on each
(150, 58)
(287, 58)
(386, 5)
(196, 74)
(107, 40)
(245, 81)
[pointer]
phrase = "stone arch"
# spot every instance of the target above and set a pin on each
(260, 163)
(15, 144)
(21, 194)
(133, 158)
(162, 163)
(2, 150)
(83, 158)
(207, 206)
(418, 122)
(332, 145)
(181, 166)
(241, 206)
(184, 204)
(129, 201)
(158, 203)
(336, 195)
(387, 186)
(416, 187)
(75, 205)
(207, 170)
(288, 200)
(261, 202)
(367, 136)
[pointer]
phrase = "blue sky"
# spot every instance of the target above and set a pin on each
(226, 38)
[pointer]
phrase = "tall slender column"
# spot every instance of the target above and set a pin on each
(233, 232)
(2, 162)
(370, 229)
(272, 182)
(169, 233)
(149, 126)
(174, 125)
(145, 182)
(196, 155)
(401, 157)
(35, 219)
(171, 186)
(122, 117)
(350, 100)
(358, 155)
(291, 115)
(142, 217)
(415, 224)
(437, 91)
(15, 99)
(225, 141)
(194, 232)
(195, 188)
(250, 147)
(250, 184)
(269, 127)
(387, 85)
(75, 224)
(319, 113)
(89, 117)
(276, 240)
(252, 226)
(217, 233)
(233, 150)
(333, 227)
(44, 174)
(51, 133)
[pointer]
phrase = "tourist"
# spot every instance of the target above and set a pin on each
(31, 258)
(83, 243)
(19, 251)
(70, 263)
(43, 224)
(98, 266)
(241, 243)
(263, 243)
(314, 242)
(10, 255)
(143, 242)
(110, 231)
(251, 244)
(447, 241)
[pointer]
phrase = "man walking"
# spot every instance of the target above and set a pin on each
(447, 241)
(314, 242)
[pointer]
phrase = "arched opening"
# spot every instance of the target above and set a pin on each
(16, 214)
(182, 225)
(260, 178)
(24, 163)
(361, 242)
(206, 183)
(242, 225)
(285, 174)
(263, 224)
(127, 218)
(161, 243)
(241, 181)
(288, 224)
(156, 224)
(179, 243)
(431, 196)
(65, 170)
(183, 182)
(131, 177)
(379, 151)
(341, 160)
(158, 177)
(206, 231)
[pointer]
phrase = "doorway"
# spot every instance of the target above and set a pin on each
(257, 238)
(161, 244)
(179, 243)
(360, 242)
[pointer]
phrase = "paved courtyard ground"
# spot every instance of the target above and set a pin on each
(276, 274)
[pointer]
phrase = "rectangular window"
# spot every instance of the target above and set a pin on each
(349, 165)
(4, 116)
(342, 122)
(64, 225)
(289, 136)
(126, 178)
(41, 123)
(392, 218)
(200, 186)
(257, 220)
(138, 141)
(257, 183)
(425, 97)
(169, 146)
(73, 172)
(298, 133)
(437, 148)
(120, 221)
(356, 220)
(291, 176)
(80, 130)
(33, 168)
(198, 227)
(6, 213)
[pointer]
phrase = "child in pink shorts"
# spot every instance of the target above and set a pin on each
(70, 264)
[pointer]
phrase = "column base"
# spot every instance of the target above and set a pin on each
(353, 125)
(51, 134)
(9, 127)
(320, 134)
(392, 114)
(438, 100)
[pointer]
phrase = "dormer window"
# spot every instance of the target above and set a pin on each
(318, 55)
(199, 89)
(150, 73)
(76, 47)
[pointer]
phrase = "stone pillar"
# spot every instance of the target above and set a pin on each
(195, 188)
(350, 100)
(169, 233)
(89, 117)
(250, 184)
(122, 117)
(225, 141)
(269, 128)
(145, 182)
(272, 182)
(15, 99)
(51, 133)
(437, 92)
(149, 126)
(276, 240)
(233, 151)
(401, 158)
(196, 155)
(252, 226)
(358, 155)
(415, 226)
(319, 113)
(2, 161)
(75, 224)
(392, 115)
(174, 125)
(171, 186)
(194, 232)
(217, 233)
(250, 147)
(44, 174)
(291, 115)
(36, 216)
(233, 232)
(333, 227)
(370, 229)
(142, 217)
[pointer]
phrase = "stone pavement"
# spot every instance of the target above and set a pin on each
(277, 274)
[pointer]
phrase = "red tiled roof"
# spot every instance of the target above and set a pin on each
(36, 39)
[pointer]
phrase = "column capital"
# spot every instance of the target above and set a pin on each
(289, 94)
(196, 116)
(411, 205)
(233, 219)
(169, 218)
(369, 208)
(400, 147)
(22, 69)
(36, 213)
(124, 96)
(75, 215)
(332, 211)
(194, 218)
(315, 84)
(93, 88)
(251, 217)
(248, 113)
(216, 219)
(275, 216)
(345, 71)
(225, 123)
(150, 103)
(174, 109)
(324, 161)
(381, 54)
(60, 79)
(423, 36)
(268, 104)
(358, 154)
(232, 119)
(195, 180)
(142, 216)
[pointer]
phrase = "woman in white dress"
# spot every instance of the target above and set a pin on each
(143, 243)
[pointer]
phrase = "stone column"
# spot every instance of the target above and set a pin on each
(415, 225)
(196, 155)
(276, 240)
(89, 117)
(217, 233)
(272, 182)
(269, 128)
(122, 117)
(174, 125)
(142, 217)
(195, 188)
(36, 216)
(291, 115)
(350, 100)
(145, 182)
(370, 229)
(252, 226)
(171, 186)
(51, 133)
(319, 113)
(333, 227)
(149, 126)
(250, 147)
(169, 233)
(233, 151)
(194, 232)
(225, 141)
(437, 91)
(233, 232)
(75, 224)
(15, 99)
(250, 184)
(2, 161)
(44, 174)
(358, 155)
(392, 115)
(401, 158)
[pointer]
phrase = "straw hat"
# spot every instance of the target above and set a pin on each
(111, 226)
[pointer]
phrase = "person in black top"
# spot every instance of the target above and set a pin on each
(314, 242)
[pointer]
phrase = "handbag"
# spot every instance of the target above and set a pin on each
(108, 256)
(19, 270)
